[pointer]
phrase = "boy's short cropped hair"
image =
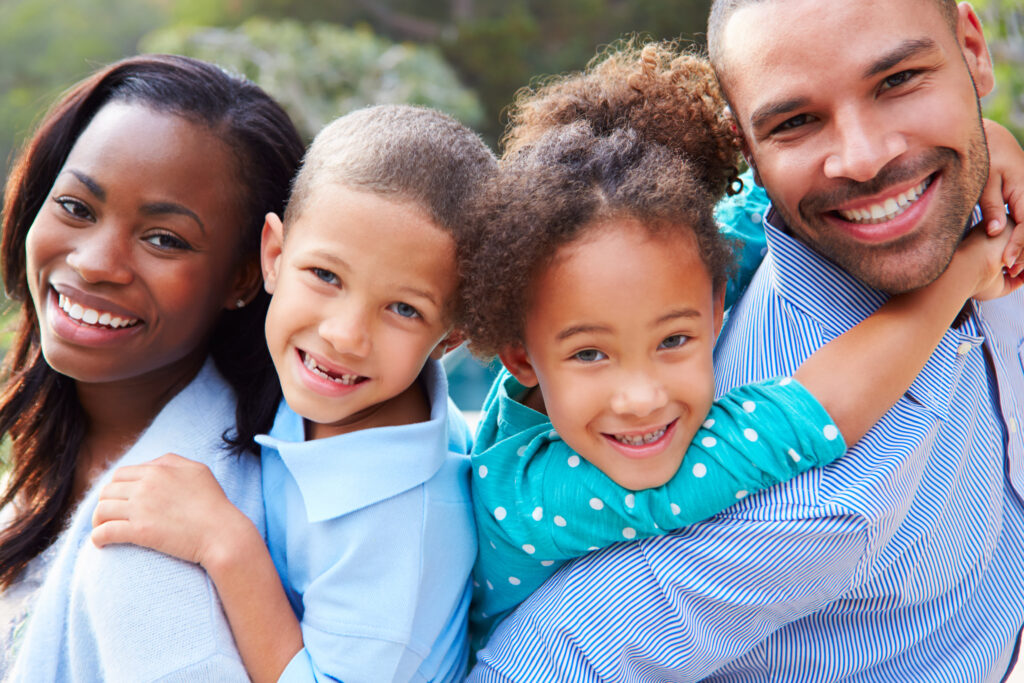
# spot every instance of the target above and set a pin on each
(412, 153)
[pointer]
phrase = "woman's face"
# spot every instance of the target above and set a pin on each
(133, 254)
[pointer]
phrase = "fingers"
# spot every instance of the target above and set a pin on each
(113, 531)
(110, 510)
(1013, 255)
(992, 203)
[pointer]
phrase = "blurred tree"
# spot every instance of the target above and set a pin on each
(320, 71)
(46, 45)
(1003, 21)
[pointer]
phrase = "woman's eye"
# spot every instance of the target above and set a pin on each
(405, 310)
(74, 208)
(589, 355)
(673, 342)
(166, 240)
(325, 275)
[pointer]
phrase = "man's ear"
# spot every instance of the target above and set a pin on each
(449, 343)
(516, 361)
(974, 48)
(271, 246)
(749, 158)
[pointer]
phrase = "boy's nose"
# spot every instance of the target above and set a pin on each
(347, 332)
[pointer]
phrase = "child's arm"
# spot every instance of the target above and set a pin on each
(175, 505)
(1005, 189)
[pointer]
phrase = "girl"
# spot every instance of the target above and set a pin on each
(599, 281)
(131, 234)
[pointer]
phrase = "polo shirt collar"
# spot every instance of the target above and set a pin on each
(513, 415)
(837, 301)
(366, 466)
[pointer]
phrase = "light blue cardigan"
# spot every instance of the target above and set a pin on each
(126, 613)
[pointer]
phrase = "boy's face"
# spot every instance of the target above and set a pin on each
(361, 289)
(862, 119)
(619, 337)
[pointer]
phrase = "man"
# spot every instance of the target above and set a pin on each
(903, 560)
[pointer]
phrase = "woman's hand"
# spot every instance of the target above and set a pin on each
(173, 505)
(1005, 187)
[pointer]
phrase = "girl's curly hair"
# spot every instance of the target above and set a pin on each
(642, 133)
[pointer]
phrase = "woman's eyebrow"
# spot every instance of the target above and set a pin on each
(89, 183)
(162, 208)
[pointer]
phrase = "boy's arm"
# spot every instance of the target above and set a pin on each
(175, 505)
(858, 376)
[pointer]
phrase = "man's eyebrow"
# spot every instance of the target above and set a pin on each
(163, 208)
(90, 184)
(769, 111)
(906, 50)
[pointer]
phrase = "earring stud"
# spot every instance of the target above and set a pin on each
(240, 303)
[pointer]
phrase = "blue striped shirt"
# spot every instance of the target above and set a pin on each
(902, 561)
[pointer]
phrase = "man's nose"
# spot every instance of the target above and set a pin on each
(864, 144)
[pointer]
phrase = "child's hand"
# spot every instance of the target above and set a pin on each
(1005, 187)
(979, 259)
(171, 504)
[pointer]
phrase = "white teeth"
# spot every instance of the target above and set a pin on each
(639, 439)
(308, 361)
(91, 316)
(888, 209)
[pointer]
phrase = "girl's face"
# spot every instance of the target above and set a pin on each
(619, 338)
(133, 255)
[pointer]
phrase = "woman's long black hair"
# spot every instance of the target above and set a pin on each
(39, 410)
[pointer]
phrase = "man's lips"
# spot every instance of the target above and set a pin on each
(881, 209)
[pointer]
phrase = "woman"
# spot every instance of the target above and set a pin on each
(130, 236)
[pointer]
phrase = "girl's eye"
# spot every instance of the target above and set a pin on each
(74, 208)
(403, 309)
(673, 342)
(167, 240)
(589, 355)
(325, 275)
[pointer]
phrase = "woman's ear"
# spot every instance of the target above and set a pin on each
(449, 343)
(247, 282)
(517, 361)
(271, 246)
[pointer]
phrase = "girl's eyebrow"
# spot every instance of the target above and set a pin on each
(690, 313)
(581, 329)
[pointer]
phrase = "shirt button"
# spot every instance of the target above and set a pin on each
(1011, 425)
(964, 348)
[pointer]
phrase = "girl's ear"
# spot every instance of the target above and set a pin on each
(271, 247)
(517, 361)
(449, 343)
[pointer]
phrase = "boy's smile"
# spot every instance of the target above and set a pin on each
(619, 336)
(361, 287)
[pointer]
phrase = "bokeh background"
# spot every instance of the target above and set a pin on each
(321, 58)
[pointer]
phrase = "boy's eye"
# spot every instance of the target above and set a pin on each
(167, 240)
(403, 309)
(74, 208)
(325, 275)
(589, 355)
(673, 342)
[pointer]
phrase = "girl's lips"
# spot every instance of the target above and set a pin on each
(643, 450)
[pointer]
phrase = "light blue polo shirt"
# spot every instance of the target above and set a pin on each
(372, 533)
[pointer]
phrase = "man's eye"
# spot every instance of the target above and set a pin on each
(793, 122)
(673, 342)
(405, 310)
(898, 78)
(589, 355)
(74, 208)
(325, 275)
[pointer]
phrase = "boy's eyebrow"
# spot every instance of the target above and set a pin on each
(581, 329)
(420, 293)
(89, 183)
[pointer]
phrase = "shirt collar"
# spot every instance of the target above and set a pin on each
(344, 473)
(838, 301)
(514, 415)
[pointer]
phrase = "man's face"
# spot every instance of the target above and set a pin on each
(862, 120)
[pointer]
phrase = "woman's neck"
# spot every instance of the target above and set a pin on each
(116, 414)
